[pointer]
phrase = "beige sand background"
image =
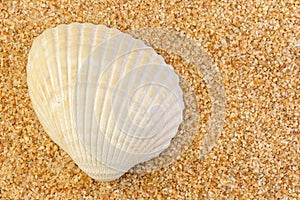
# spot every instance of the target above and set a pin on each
(256, 45)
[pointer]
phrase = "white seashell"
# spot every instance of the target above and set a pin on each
(106, 98)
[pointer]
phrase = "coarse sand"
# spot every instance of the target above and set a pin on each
(256, 46)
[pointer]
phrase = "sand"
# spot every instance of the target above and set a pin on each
(256, 46)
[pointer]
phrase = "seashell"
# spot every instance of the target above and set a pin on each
(110, 101)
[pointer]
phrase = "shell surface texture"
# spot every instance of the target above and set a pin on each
(107, 99)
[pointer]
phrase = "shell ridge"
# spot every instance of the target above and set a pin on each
(105, 30)
(160, 66)
(67, 119)
(160, 85)
(86, 92)
(85, 34)
(117, 58)
(116, 91)
(84, 125)
(160, 109)
(154, 128)
(71, 86)
(146, 83)
(59, 99)
(73, 67)
(49, 70)
(70, 90)
(117, 154)
(131, 136)
(80, 150)
(163, 127)
(104, 157)
(162, 139)
(167, 67)
(95, 36)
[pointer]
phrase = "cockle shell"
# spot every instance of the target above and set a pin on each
(106, 98)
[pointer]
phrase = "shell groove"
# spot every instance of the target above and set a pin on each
(106, 98)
